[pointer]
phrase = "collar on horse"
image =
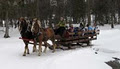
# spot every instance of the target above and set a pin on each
(38, 34)
(43, 32)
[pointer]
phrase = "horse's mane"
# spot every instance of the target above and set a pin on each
(39, 23)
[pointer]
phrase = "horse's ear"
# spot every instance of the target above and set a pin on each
(21, 18)
(35, 19)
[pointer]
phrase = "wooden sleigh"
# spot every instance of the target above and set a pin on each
(76, 39)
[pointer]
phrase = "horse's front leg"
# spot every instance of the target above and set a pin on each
(40, 48)
(45, 43)
(26, 50)
(34, 47)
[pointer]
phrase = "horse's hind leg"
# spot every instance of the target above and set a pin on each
(54, 45)
(26, 50)
(45, 43)
(34, 48)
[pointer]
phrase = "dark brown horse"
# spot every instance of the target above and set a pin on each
(25, 34)
(43, 35)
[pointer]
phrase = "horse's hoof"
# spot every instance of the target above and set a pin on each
(24, 55)
(44, 51)
(28, 53)
(33, 51)
(53, 51)
(39, 54)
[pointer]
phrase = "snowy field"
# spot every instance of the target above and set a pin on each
(107, 46)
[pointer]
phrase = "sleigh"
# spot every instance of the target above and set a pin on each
(72, 39)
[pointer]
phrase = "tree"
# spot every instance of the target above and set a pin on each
(6, 22)
(79, 10)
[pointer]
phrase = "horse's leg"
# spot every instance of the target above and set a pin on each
(54, 45)
(34, 47)
(45, 46)
(40, 44)
(40, 48)
(26, 49)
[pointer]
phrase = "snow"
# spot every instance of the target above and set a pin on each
(107, 46)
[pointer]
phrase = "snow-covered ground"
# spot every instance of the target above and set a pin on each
(107, 46)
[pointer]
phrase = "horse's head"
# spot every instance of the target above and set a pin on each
(22, 25)
(36, 25)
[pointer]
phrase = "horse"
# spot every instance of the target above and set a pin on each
(25, 34)
(43, 35)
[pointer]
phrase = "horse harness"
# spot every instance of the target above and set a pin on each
(41, 31)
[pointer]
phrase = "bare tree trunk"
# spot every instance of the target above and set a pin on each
(89, 15)
(112, 25)
(7, 27)
(112, 21)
